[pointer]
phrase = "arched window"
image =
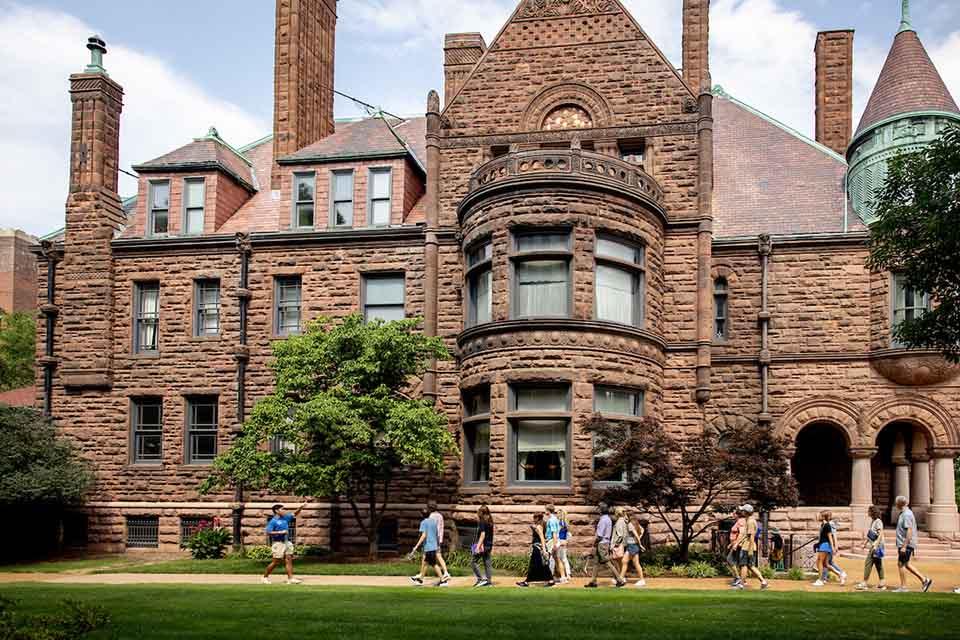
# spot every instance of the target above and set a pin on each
(721, 325)
(568, 116)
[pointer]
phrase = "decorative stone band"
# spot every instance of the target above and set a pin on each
(568, 167)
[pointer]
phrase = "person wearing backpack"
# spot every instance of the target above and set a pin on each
(747, 545)
(873, 543)
(776, 553)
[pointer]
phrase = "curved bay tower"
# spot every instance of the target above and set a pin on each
(590, 229)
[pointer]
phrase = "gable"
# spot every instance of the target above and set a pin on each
(589, 54)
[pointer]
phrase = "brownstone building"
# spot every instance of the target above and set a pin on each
(18, 271)
(589, 228)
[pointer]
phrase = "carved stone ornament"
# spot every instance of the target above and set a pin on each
(690, 105)
(914, 369)
(560, 8)
(243, 242)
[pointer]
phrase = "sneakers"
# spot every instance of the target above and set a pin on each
(550, 584)
(738, 586)
(621, 584)
(927, 584)
(640, 583)
(881, 587)
(843, 579)
(901, 590)
(444, 582)
(818, 583)
(265, 580)
(764, 586)
(416, 579)
(957, 590)
(523, 583)
(446, 576)
(590, 585)
(294, 581)
(861, 586)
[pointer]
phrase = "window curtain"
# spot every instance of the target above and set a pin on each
(541, 399)
(538, 437)
(149, 312)
(615, 294)
(543, 242)
(613, 401)
(542, 288)
(480, 298)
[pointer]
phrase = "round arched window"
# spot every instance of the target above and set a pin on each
(568, 116)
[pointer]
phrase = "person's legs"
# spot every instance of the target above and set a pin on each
(624, 565)
(441, 563)
(868, 568)
(475, 566)
(270, 567)
(916, 574)
(488, 566)
(566, 562)
(636, 565)
(288, 561)
(595, 569)
(613, 569)
(878, 562)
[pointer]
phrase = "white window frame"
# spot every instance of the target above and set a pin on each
(296, 203)
(371, 199)
(187, 209)
(635, 268)
(152, 211)
(895, 310)
(333, 198)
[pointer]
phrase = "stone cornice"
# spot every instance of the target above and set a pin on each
(825, 356)
(528, 137)
(560, 324)
(818, 241)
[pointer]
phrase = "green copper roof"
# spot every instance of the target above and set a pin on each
(905, 24)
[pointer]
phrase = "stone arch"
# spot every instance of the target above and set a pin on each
(915, 409)
(724, 270)
(844, 415)
(567, 93)
(723, 422)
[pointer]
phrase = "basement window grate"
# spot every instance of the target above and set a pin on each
(189, 526)
(143, 532)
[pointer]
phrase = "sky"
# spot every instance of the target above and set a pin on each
(188, 64)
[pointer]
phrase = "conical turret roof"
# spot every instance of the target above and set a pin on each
(908, 83)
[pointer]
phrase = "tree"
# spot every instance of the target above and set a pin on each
(692, 477)
(917, 234)
(17, 350)
(36, 467)
(340, 418)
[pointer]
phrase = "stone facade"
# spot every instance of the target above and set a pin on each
(18, 272)
(568, 138)
(834, 87)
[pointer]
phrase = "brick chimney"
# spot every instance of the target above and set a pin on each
(834, 88)
(461, 51)
(93, 215)
(696, 44)
(303, 76)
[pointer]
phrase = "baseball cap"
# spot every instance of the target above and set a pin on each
(747, 508)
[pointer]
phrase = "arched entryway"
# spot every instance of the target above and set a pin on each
(901, 467)
(822, 466)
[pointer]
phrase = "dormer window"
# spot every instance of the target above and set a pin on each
(158, 217)
(193, 196)
(381, 186)
(304, 188)
(342, 206)
(632, 151)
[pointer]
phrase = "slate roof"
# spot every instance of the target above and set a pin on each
(208, 152)
(909, 82)
(769, 178)
(368, 138)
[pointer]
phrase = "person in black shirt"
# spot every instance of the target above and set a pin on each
(483, 547)
(824, 549)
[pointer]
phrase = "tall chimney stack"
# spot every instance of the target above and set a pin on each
(303, 76)
(461, 51)
(834, 88)
(93, 215)
(696, 45)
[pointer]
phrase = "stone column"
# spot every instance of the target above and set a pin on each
(901, 474)
(920, 478)
(861, 486)
(942, 517)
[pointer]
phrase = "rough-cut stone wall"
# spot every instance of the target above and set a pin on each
(18, 272)
(834, 89)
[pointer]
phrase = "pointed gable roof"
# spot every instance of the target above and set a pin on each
(368, 138)
(208, 153)
(908, 83)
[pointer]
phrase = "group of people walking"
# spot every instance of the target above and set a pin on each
(874, 544)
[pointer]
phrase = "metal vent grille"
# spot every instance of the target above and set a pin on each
(143, 532)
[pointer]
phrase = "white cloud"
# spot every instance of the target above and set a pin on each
(946, 56)
(162, 110)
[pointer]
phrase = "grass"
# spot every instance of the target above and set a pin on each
(211, 612)
(120, 563)
(304, 566)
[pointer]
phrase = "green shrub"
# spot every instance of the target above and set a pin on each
(73, 620)
(260, 552)
(796, 573)
(668, 555)
(654, 571)
(680, 570)
(767, 572)
(209, 542)
(700, 569)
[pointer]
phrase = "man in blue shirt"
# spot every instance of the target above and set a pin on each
(552, 536)
(281, 546)
(430, 540)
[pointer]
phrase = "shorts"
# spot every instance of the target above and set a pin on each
(603, 552)
(279, 550)
(746, 559)
(430, 557)
(904, 556)
(825, 548)
(633, 549)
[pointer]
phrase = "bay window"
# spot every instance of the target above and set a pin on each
(479, 283)
(619, 281)
(476, 436)
(541, 270)
(539, 419)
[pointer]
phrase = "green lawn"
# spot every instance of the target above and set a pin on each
(240, 612)
(253, 567)
(118, 562)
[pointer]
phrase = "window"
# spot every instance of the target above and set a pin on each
(146, 317)
(388, 535)
(206, 296)
(201, 430)
(476, 436)
(541, 265)
(619, 281)
(380, 190)
(908, 303)
(158, 218)
(720, 297)
(632, 151)
(304, 187)
(143, 532)
(539, 433)
(189, 525)
(479, 282)
(383, 296)
(193, 195)
(147, 430)
(341, 209)
(611, 401)
(287, 313)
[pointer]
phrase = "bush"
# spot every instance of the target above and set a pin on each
(74, 620)
(512, 564)
(669, 556)
(259, 552)
(654, 571)
(767, 572)
(700, 569)
(796, 573)
(209, 542)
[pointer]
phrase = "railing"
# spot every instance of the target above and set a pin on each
(575, 163)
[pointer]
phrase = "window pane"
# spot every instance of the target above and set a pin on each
(616, 401)
(381, 184)
(194, 221)
(149, 415)
(380, 212)
(541, 399)
(481, 300)
(305, 215)
(204, 414)
(343, 214)
(343, 186)
(478, 451)
(304, 188)
(149, 299)
(618, 250)
(160, 222)
(616, 297)
(480, 254)
(386, 313)
(541, 450)
(603, 470)
(203, 446)
(477, 402)
(149, 447)
(384, 290)
(543, 242)
(289, 291)
(542, 288)
(194, 194)
(161, 195)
